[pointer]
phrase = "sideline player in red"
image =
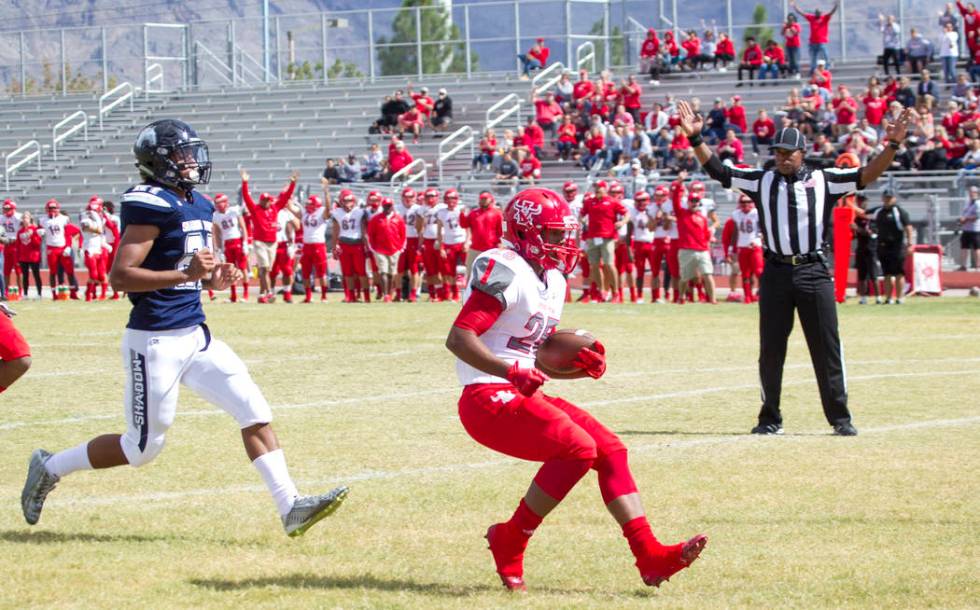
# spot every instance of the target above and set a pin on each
(15, 354)
(515, 300)
(93, 231)
(10, 225)
(386, 238)
(263, 221)
(111, 238)
(408, 262)
(55, 242)
(347, 235)
(748, 240)
(285, 263)
(643, 221)
(429, 226)
(373, 207)
(229, 229)
(661, 242)
(314, 258)
(730, 253)
(451, 243)
(625, 267)
(485, 227)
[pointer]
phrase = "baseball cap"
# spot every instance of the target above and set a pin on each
(975, 189)
(601, 184)
(888, 192)
(789, 138)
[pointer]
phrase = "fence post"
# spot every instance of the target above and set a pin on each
(23, 67)
(278, 54)
(323, 44)
(673, 9)
(146, 62)
(105, 63)
(606, 15)
(418, 40)
(371, 45)
(265, 40)
(517, 34)
(901, 23)
(466, 24)
(232, 52)
(568, 32)
(843, 31)
(731, 26)
(64, 78)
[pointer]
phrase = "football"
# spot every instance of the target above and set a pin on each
(557, 353)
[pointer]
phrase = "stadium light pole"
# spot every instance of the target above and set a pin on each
(265, 38)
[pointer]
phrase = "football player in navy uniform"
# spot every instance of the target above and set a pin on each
(163, 261)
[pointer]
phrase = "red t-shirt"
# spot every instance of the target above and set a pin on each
(736, 116)
(29, 245)
(486, 227)
(583, 89)
(423, 103)
(631, 96)
(692, 229)
(386, 233)
(951, 121)
(792, 34)
(264, 220)
(602, 215)
(752, 55)
(874, 109)
(823, 79)
(692, 46)
(846, 110)
(595, 144)
(567, 133)
(650, 48)
(819, 28)
(545, 112)
(488, 145)
(680, 142)
(725, 47)
(736, 145)
(534, 135)
(531, 167)
(541, 55)
(764, 128)
(399, 160)
(776, 54)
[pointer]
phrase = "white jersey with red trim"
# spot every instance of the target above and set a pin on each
(229, 224)
(431, 218)
(532, 310)
(314, 227)
(54, 231)
(410, 214)
(668, 209)
(283, 221)
(641, 220)
(351, 223)
(10, 225)
(109, 236)
(452, 233)
(747, 224)
(630, 208)
(92, 240)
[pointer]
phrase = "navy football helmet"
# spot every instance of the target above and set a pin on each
(168, 151)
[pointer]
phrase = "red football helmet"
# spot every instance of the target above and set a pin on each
(313, 203)
(408, 195)
(532, 219)
(374, 200)
(347, 199)
(387, 203)
(265, 197)
(641, 199)
(487, 199)
(616, 189)
(52, 207)
(745, 203)
(451, 198)
(661, 192)
(221, 202)
(9, 205)
(570, 189)
(431, 196)
(95, 204)
(697, 187)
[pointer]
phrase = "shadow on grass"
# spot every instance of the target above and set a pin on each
(47, 537)
(362, 581)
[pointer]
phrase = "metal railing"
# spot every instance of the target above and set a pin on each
(72, 129)
(465, 138)
(585, 53)
(126, 91)
(218, 67)
(508, 105)
(547, 78)
(9, 168)
(262, 76)
(153, 76)
(406, 175)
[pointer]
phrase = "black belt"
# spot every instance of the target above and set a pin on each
(795, 259)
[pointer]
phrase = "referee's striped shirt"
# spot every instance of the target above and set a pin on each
(794, 211)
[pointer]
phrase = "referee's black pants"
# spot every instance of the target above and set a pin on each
(809, 289)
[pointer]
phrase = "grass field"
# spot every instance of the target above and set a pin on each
(366, 395)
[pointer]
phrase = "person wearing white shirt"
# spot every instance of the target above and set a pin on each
(970, 230)
(949, 51)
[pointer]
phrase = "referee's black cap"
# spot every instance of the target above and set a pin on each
(789, 138)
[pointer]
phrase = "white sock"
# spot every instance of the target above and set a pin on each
(272, 467)
(69, 461)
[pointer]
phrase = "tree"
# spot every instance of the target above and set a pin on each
(757, 30)
(438, 55)
(346, 69)
(617, 46)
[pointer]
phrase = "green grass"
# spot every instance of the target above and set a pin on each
(366, 395)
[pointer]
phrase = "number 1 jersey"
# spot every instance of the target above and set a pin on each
(185, 228)
(531, 310)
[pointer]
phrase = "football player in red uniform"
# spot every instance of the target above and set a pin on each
(230, 237)
(313, 261)
(513, 302)
(15, 354)
(409, 261)
(428, 226)
(748, 240)
(347, 231)
(451, 242)
(625, 266)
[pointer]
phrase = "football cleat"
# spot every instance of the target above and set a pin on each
(508, 556)
(656, 570)
(308, 510)
(38, 485)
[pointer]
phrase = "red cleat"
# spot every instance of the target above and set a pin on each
(287, 297)
(508, 555)
(657, 569)
(412, 298)
(616, 299)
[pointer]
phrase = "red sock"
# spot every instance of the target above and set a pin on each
(234, 293)
(432, 291)
(210, 294)
(568, 293)
(323, 291)
(245, 290)
(641, 539)
(367, 295)
(105, 286)
(444, 292)
(524, 521)
(455, 290)
(619, 293)
(632, 293)
(655, 295)
(309, 292)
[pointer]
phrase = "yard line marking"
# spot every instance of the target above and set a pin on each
(149, 500)
(435, 391)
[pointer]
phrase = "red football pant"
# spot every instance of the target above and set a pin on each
(431, 259)
(56, 260)
(10, 261)
(409, 260)
(352, 260)
(643, 254)
(235, 254)
(283, 263)
(454, 257)
(673, 264)
(95, 263)
(12, 343)
(110, 258)
(750, 262)
(623, 262)
(546, 429)
(314, 259)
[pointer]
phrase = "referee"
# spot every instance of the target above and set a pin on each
(795, 204)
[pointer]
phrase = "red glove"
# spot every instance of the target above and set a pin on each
(527, 381)
(592, 361)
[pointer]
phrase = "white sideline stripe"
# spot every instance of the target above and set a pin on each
(798, 365)
(383, 397)
(147, 500)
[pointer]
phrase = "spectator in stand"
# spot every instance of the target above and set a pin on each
(650, 60)
(565, 90)
(926, 92)
(583, 91)
(423, 103)
(29, 239)
(763, 130)
(331, 173)
(488, 147)
(530, 167)
(905, 94)
(264, 218)
(823, 80)
(684, 161)
(391, 109)
(622, 117)
(948, 16)
(535, 59)
(819, 32)
(791, 34)
(629, 95)
(709, 44)
(692, 50)
(894, 239)
(918, 51)
(547, 112)
(736, 116)
(443, 110)
(534, 137)
(724, 51)
(352, 169)
(373, 163)
(949, 52)
(773, 61)
(412, 121)
(507, 171)
(971, 160)
(484, 226)
(731, 148)
(672, 52)
(567, 138)
(751, 60)
(891, 42)
(971, 25)
(875, 105)
(845, 110)
(969, 222)
(716, 122)
(655, 120)
(386, 237)
(398, 156)
(594, 144)
(963, 91)
(613, 147)
(661, 147)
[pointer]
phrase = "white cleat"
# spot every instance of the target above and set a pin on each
(38, 485)
(308, 510)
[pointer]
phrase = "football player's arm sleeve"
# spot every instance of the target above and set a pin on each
(494, 279)
(247, 198)
(478, 314)
(285, 195)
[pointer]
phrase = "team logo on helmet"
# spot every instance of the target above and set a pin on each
(525, 212)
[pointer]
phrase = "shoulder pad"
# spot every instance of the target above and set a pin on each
(149, 196)
(492, 273)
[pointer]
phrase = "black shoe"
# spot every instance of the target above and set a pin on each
(845, 429)
(767, 429)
